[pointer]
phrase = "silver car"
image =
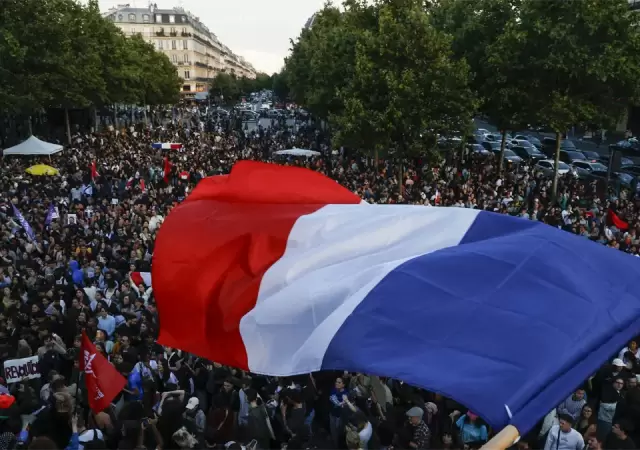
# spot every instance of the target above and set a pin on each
(546, 166)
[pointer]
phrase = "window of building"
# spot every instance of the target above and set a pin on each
(173, 45)
(185, 57)
(185, 45)
(159, 42)
(172, 19)
(187, 75)
(184, 30)
(186, 87)
(146, 18)
(173, 30)
(133, 30)
(159, 18)
(147, 31)
(132, 17)
(174, 58)
(120, 17)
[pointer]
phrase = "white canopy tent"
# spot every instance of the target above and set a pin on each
(33, 146)
(298, 152)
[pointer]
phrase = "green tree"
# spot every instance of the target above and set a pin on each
(59, 53)
(475, 28)
(322, 59)
(261, 82)
(280, 85)
(33, 41)
(121, 67)
(406, 89)
(578, 59)
(226, 87)
(158, 79)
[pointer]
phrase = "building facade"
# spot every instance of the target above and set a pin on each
(195, 51)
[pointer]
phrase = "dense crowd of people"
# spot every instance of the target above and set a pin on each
(94, 227)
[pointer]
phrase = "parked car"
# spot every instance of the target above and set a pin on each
(249, 116)
(491, 145)
(591, 155)
(477, 148)
(605, 158)
(546, 166)
(570, 157)
(632, 169)
(532, 139)
(617, 178)
(509, 155)
(549, 146)
(585, 168)
(528, 153)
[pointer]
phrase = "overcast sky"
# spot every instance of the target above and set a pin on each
(258, 30)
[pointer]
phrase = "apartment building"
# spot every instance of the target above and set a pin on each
(195, 51)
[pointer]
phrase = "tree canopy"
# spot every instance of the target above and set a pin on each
(583, 71)
(229, 87)
(382, 74)
(61, 53)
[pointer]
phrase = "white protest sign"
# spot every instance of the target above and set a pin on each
(17, 369)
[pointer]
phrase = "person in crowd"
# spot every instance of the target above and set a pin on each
(611, 396)
(574, 404)
(421, 435)
(585, 423)
(337, 398)
(472, 429)
(259, 424)
(195, 415)
(619, 438)
(563, 436)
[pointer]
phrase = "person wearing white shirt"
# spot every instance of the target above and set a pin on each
(631, 347)
(563, 436)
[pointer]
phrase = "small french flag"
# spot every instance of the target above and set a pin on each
(166, 146)
(141, 278)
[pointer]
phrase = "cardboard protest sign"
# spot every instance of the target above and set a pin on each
(16, 370)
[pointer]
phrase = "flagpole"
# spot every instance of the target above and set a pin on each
(503, 440)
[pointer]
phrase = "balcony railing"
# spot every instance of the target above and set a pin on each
(160, 33)
(185, 34)
(173, 33)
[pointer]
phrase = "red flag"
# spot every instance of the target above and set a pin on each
(102, 380)
(617, 221)
(143, 187)
(94, 171)
(167, 169)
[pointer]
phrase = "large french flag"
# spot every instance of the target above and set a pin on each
(166, 146)
(281, 271)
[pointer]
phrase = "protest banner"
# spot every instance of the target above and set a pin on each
(16, 370)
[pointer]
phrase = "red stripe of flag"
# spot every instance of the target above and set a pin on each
(213, 250)
(617, 222)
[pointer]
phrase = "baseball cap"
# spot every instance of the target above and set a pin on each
(415, 412)
(193, 403)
